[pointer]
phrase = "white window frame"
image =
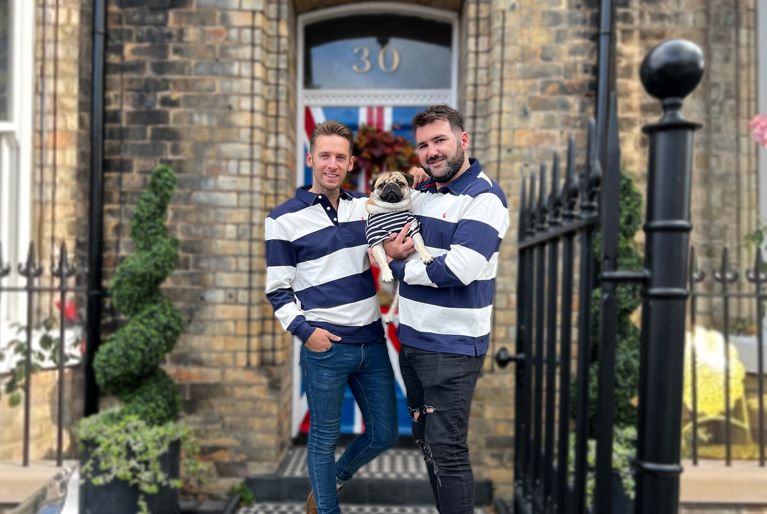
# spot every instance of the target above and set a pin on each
(335, 97)
(16, 156)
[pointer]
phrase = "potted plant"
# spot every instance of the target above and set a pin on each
(130, 454)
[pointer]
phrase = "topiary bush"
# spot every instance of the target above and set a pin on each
(128, 364)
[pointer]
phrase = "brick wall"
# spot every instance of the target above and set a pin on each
(209, 86)
(535, 61)
(216, 99)
(725, 172)
(60, 155)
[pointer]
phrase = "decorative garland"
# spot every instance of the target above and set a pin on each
(378, 150)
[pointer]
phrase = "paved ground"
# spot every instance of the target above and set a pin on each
(394, 463)
(17, 483)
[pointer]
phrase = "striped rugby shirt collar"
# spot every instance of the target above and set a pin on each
(310, 198)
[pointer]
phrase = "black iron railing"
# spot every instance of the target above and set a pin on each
(28, 285)
(551, 219)
(733, 357)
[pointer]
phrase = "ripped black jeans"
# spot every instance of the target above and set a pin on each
(439, 390)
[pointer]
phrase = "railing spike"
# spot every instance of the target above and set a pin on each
(555, 174)
(725, 273)
(30, 269)
(523, 195)
(720, 271)
(756, 275)
(5, 269)
(64, 269)
(542, 217)
(522, 210)
(570, 188)
(531, 211)
(696, 275)
(592, 174)
(570, 159)
(591, 147)
(555, 201)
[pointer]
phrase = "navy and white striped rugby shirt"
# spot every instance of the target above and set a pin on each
(317, 268)
(446, 306)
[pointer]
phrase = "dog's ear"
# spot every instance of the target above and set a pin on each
(373, 182)
(409, 178)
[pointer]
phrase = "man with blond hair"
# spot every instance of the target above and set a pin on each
(319, 282)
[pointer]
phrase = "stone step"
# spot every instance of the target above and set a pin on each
(395, 478)
(300, 508)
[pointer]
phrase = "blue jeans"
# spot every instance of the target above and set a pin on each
(367, 370)
(439, 390)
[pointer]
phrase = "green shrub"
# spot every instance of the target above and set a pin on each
(241, 490)
(127, 442)
(629, 298)
(128, 364)
(627, 346)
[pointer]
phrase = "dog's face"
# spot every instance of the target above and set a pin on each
(391, 186)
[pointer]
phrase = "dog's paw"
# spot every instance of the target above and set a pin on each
(386, 276)
(426, 259)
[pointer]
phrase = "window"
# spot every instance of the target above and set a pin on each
(377, 51)
(16, 87)
(373, 63)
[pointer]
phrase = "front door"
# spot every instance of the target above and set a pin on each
(365, 65)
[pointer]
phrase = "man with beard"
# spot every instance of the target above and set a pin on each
(446, 306)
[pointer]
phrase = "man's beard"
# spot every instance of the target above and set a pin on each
(453, 166)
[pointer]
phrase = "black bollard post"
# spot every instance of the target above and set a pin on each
(669, 72)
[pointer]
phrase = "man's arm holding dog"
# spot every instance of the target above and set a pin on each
(475, 242)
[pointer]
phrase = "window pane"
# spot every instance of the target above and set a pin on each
(378, 52)
(5, 60)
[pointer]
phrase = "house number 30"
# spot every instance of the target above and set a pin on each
(388, 59)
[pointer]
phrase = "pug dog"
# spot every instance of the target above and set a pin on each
(388, 208)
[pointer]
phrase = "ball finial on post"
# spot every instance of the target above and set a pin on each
(671, 71)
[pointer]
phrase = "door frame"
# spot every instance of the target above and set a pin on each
(399, 97)
(357, 97)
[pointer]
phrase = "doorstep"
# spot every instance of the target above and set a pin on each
(396, 478)
(711, 482)
(300, 508)
(17, 482)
